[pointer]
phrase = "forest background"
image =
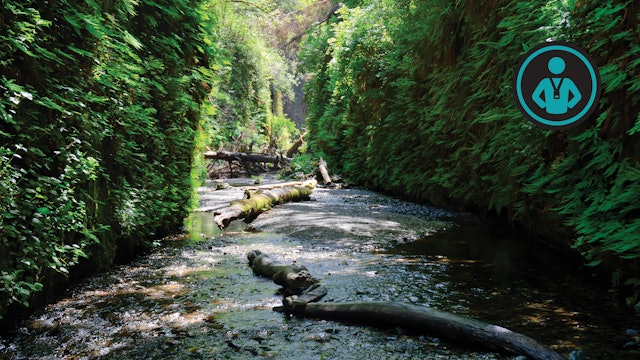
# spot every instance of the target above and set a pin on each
(106, 107)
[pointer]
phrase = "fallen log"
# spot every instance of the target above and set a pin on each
(292, 277)
(456, 328)
(244, 157)
(307, 183)
(310, 294)
(445, 325)
(258, 202)
(322, 167)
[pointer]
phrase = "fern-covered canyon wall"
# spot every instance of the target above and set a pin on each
(415, 98)
(99, 105)
(105, 110)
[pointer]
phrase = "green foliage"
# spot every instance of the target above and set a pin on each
(99, 105)
(416, 97)
(250, 78)
(303, 163)
(281, 131)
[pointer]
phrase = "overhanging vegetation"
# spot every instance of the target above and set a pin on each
(415, 98)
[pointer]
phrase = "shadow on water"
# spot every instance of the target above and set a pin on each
(485, 270)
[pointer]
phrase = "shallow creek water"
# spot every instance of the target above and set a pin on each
(195, 296)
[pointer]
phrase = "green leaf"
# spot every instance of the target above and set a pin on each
(595, 262)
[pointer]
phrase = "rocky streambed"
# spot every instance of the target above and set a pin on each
(195, 297)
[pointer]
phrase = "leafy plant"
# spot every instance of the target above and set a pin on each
(251, 80)
(99, 103)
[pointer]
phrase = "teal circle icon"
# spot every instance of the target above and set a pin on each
(557, 85)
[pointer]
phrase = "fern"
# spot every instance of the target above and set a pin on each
(436, 118)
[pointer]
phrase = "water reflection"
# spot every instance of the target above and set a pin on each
(200, 226)
(526, 287)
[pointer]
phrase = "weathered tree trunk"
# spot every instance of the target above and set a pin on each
(307, 183)
(446, 325)
(292, 277)
(258, 202)
(244, 157)
(322, 166)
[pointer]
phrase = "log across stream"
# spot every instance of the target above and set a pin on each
(298, 284)
(261, 199)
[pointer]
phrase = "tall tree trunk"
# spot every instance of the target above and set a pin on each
(295, 148)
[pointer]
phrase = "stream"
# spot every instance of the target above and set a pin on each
(194, 296)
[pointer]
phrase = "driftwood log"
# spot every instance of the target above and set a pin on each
(244, 157)
(292, 277)
(448, 326)
(324, 172)
(307, 183)
(257, 202)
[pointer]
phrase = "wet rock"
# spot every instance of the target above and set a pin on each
(233, 345)
(50, 326)
(320, 337)
(261, 335)
(577, 355)
(433, 341)
(172, 342)
(634, 341)
(413, 299)
(211, 320)
(196, 351)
